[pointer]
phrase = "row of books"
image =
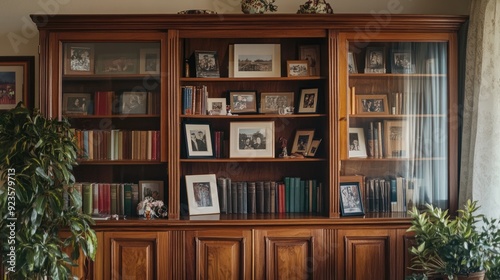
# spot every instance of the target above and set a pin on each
(393, 194)
(194, 100)
(118, 144)
(387, 139)
(100, 199)
(292, 195)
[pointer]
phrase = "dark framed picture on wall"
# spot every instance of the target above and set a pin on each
(17, 77)
(198, 140)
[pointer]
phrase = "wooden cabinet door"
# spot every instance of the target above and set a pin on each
(135, 255)
(219, 254)
(288, 254)
(367, 254)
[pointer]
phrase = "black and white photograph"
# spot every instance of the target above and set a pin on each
(357, 145)
(198, 140)
(134, 102)
(149, 61)
(207, 64)
(372, 104)
(243, 101)
(351, 63)
(350, 200)
(76, 103)
(216, 106)
(401, 62)
(313, 147)
(202, 194)
(375, 60)
(152, 189)
(311, 53)
(252, 139)
(308, 100)
(303, 140)
(117, 64)
(257, 60)
(79, 59)
(272, 102)
(297, 68)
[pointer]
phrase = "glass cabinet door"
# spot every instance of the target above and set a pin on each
(397, 130)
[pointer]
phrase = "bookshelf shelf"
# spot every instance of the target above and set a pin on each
(254, 160)
(254, 116)
(118, 162)
(252, 79)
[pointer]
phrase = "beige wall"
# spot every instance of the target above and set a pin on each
(20, 37)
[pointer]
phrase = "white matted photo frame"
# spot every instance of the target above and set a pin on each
(79, 59)
(244, 101)
(198, 140)
(311, 53)
(17, 76)
(302, 141)
(251, 139)
(206, 64)
(313, 147)
(272, 102)
(297, 68)
(351, 63)
(357, 143)
(375, 60)
(216, 106)
(149, 61)
(257, 60)
(372, 104)
(152, 189)
(75, 103)
(308, 100)
(351, 202)
(202, 194)
(134, 102)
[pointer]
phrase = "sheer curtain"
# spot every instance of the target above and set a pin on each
(480, 163)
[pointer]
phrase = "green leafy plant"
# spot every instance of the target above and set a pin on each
(37, 157)
(454, 246)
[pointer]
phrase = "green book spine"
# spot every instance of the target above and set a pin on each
(306, 196)
(127, 199)
(298, 195)
(314, 197)
(288, 191)
(114, 198)
(87, 198)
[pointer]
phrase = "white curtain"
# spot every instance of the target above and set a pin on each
(480, 163)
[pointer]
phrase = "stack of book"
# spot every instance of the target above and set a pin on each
(194, 100)
(393, 194)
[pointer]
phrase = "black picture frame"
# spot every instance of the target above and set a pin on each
(401, 62)
(351, 201)
(198, 140)
(375, 60)
(206, 64)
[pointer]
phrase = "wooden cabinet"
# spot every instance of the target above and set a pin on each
(415, 95)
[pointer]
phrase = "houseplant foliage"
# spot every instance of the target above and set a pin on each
(454, 246)
(37, 156)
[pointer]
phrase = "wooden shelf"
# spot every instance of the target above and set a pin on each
(253, 79)
(253, 116)
(128, 116)
(108, 77)
(390, 75)
(369, 116)
(394, 159)
(278, 160)
(118, 162)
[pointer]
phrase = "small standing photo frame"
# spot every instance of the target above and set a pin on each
(257, 60)
(274, 102)
(243, 101)
(375, 60)
(216, 106)
(117, 64)
(350, 199)
(251, 140)
(351, 63)
(308, 100)
(202, 194)
(311, 53)
(152, 189)
(206, 64)
(79, 59)
(198, 140)
(401, 62)
(134, 102)
(303, 140)
(75, 103)
(313, 148)
(372, 104)
(149, 62)
(297, 68)
(357, 144)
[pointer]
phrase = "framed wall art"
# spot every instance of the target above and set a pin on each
(257, 60)
(202, 194)
(17, 77)
(251, 140)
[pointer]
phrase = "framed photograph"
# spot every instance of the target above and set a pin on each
(17, 81)
(257, 60)
(216, 106)
(149, 61)
(311, 53)
(112, 64)
(401, 62)
(396, 139)
(351, 63)
(313, 148)
(297, 68)
(308, 100)
(357, 144)
(372, 104)
(276, 102)
(351, 203)
(75, 103)
(153, 189)
(79, 59)
(134, 102)
(202, 194)
(206, 64)
(198, 140)
(243, 101)
(375, 60)
(303, 140)
(251, 140)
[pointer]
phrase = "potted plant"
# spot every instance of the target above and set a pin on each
(37, 156)
(454, 247)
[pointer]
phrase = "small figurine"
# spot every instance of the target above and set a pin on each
(283, 142)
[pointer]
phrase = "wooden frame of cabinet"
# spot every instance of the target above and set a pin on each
(332, 240)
